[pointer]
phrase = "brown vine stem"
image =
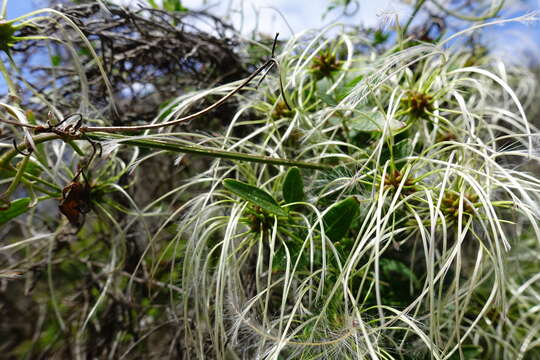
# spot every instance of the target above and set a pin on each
(88, 132)
(113, 129)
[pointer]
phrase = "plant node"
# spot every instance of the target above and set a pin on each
(447, 136)
(418, 103)
(7, 40)
(258, 220)
(324, 65)
(281, 110)
(393, 179)
(450, 204)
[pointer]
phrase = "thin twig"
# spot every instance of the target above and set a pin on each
(114, 129)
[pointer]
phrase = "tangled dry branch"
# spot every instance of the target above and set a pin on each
(150, 55)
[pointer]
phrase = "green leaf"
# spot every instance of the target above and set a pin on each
(84, 51)
(366, 122)
(7, 30)
(56, 60)
(380, 37)
(323, 85)
(153, 4)
(293, 186)
(470, 352)
(338, 219)
(396, 270)
(255, 196)
(17, 207)
(174, 5)
(403, 149)
(33, 168)
(344, 91)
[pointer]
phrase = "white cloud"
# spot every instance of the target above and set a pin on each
(274, 15)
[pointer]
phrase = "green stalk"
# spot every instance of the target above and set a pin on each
(3, 11)
(204, 151)
(9, 155)
(29, 178)
(18, 176)
(11, 85)
(417, 8)
(457, 15)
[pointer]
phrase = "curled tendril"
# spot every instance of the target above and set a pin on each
(27, 153)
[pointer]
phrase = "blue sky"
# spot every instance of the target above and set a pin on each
(285, 16)
(17, 8)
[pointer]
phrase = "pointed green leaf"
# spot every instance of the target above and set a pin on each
(338, 219)
(56, 60)
(403, 149)
(323, 85)
(394, 269)
(16, 208)
(293, 186)
(255, 196)
(470, 352)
